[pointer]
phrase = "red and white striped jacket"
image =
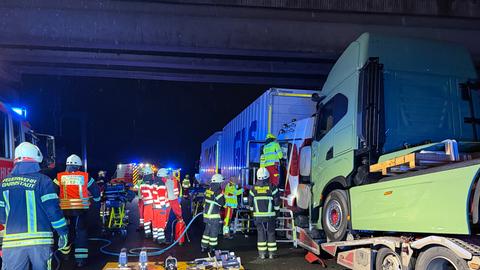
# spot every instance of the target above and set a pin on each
(147, 193)
(160, 191)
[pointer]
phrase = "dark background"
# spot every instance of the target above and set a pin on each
(131, 120)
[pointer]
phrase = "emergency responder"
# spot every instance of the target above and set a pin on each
(186, 184)
(264, 201)
(76, 187)
(172, 195)
(272, 153)
(214, 201)
(146, 189)
(29, 208)
(102, 180)
(161, 207)
(137, 188)
(231, 193)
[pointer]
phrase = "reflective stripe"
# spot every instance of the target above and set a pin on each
(211, 216)
(90, 182)
(97, 199)
(262, 248)
(81, 250)
(50, 196)
(275, 192)
(55, 181)
(31, 210)
(81, 256)
(256, 214)
(218, 197)
(27, 242)
(7, 201)
(276, 208)
(59, 223)
(22, 236)
(2, 204)
(272, 248)
(272, 244)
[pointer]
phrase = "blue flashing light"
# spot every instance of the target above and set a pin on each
(20, 111)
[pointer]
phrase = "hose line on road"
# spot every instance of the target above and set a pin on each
(134, 252)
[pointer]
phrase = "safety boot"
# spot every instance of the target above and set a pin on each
(262, 255)
(81, 263)
(271, 255)
(204, 249)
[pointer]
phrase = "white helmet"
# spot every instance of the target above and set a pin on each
(263, 174)
(162, 172)
(28, 152)
(74, 160)
(147, 170)
(217, 178)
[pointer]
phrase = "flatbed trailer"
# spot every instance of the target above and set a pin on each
(388, 252)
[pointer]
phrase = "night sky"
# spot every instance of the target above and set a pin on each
(131, 120)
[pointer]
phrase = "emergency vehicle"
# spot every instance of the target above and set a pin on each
(14, 129)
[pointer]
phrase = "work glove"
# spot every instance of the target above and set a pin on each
(63, 246)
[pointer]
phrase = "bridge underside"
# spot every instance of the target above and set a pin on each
(242, 42)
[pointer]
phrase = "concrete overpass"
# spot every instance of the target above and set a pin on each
(278, 43)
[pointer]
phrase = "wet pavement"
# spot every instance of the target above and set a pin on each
(244, 246)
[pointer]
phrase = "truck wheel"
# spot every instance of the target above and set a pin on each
(387, 260)
(440, 258)
(335, 216)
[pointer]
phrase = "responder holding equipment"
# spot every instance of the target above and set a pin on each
(264, 200)
(146, 189)
(214, 201)
(172, 185)
(186, 186)
(76, 187)
(161, 207)
(231, 202)
(29, 208)
(272, 153)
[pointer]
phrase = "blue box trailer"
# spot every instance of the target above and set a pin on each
(210, 157)
(268, 113)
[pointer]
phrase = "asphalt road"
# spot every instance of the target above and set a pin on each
(244, 246)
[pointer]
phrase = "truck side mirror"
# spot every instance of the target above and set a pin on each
(50, 145)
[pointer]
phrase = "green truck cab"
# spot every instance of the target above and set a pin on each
(384, 98)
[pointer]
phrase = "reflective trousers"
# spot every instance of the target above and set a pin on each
(77, 231)
(266, 235)
(274, 174)
(228, 219)
(147, 218)
(19, 258)
(210, 234)
(176, 208)
(160, 220)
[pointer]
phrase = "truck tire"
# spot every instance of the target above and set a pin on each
(387, 259)
(335, 215)
(440, 258)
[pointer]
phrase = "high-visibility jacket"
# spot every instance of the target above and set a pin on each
(75, 190)
(172, 188)
(264, 199)
(231, 195)
(29, 208)
(214, 201)
(160, 195)
(147, 190)
(272, 153)
(186, 183)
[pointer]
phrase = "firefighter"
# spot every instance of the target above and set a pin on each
(186, 186)
(161, 207)
(137, 188)
(272, 153)
(102, 180)
(146, 189)
(29, 208)
(231, 192)
(264, 201)
(214, 201)
(76, 187)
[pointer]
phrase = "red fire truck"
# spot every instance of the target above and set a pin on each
(14, 129)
